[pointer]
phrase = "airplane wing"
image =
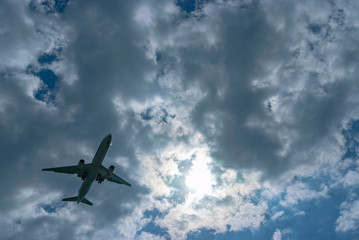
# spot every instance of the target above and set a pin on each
(68, 169)
(116, 179)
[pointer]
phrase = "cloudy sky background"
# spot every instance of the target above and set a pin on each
(231, 119)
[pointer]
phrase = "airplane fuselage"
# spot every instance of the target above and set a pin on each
(95, 166)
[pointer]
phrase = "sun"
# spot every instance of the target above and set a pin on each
(199, 179)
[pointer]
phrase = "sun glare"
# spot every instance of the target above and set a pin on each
(199, 180)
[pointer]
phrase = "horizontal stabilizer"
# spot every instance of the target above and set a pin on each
(85, 201)
(70, 199)
(74, 199)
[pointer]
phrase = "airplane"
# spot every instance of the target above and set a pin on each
(90, 172)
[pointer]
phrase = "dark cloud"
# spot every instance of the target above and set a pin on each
(247, 47)
(108, 63)
(225, 74)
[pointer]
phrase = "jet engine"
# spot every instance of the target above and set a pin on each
(110, 169)
(81, 163)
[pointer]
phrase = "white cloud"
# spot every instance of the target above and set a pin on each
(33, 204)
(184, 218)
(302, 192)
(217, 207)
(277, 215)
(348, 175)
(277, 235)
(351, 178)
(149, 236)
(349, 216)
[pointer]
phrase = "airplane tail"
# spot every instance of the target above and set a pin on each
(74, 199)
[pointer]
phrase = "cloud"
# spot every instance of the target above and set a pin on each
(257, 94)
(44, 135)
(351, 178)
(349, 216)
(277, 215)
(240, 82)
(302, 192)
(36, 207)
(183, 218)
(277, 235)
(149, 236)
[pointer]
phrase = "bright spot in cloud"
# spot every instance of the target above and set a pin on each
(144, 16)
(199, 180)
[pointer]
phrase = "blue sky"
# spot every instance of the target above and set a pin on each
(230, 119)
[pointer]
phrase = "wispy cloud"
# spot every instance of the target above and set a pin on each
(349, 216)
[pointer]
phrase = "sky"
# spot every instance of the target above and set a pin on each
(231, 119)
